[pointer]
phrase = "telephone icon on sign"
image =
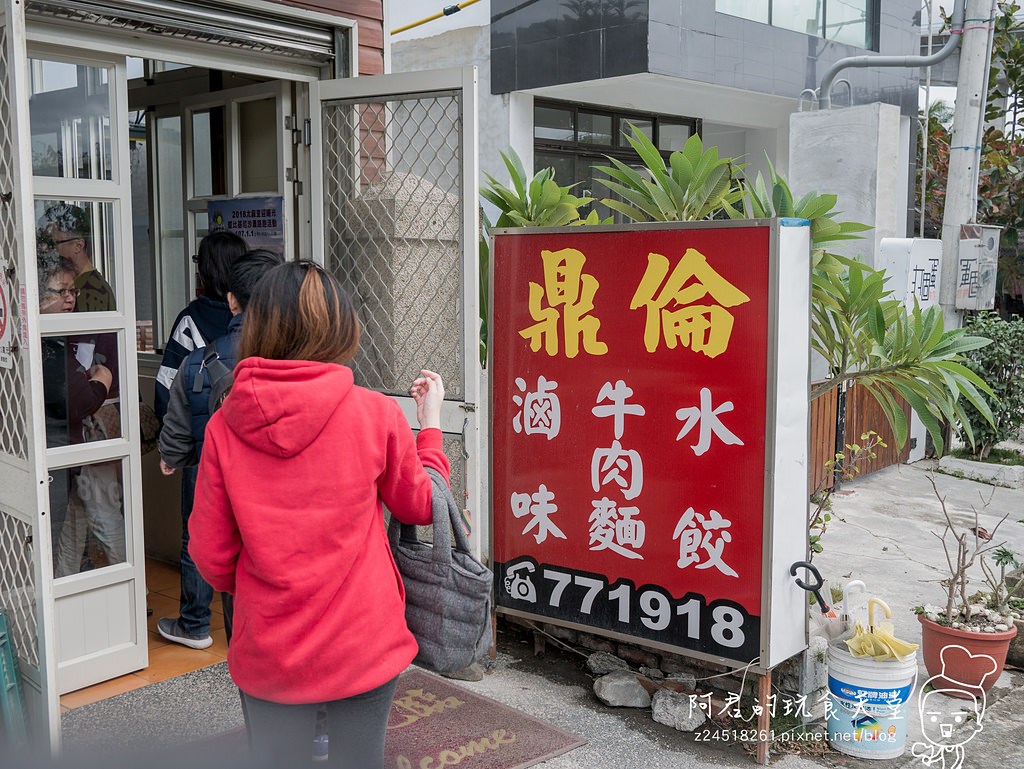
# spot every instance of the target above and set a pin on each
(518, 583)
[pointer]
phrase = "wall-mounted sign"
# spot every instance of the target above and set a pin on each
(649, 401)
(913, 268)
(977, 263)
(260, 221)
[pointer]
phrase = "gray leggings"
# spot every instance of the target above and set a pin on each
(282, 735)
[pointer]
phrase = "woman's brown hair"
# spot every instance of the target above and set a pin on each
(299, 311)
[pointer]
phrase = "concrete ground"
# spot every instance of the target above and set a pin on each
(882, 532)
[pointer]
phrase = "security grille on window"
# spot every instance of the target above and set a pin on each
(575, 139)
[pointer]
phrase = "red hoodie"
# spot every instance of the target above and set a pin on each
(288, 518)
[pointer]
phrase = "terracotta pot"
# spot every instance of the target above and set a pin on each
(962, 662)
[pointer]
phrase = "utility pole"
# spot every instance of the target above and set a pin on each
(965, 151)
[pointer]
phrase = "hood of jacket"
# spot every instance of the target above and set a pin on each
(211, 317)
(280, 406)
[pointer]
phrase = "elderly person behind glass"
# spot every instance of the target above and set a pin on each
(71, 394)
(67, 229)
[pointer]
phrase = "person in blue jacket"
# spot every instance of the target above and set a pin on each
(206, 318)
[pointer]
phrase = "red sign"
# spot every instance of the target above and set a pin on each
(629, 381)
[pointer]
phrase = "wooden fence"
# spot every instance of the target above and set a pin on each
(863, 414)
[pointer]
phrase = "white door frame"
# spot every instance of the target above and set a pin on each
(100, 659)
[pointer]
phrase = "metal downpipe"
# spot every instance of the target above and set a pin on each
(956, 33)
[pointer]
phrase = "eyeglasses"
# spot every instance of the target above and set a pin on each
(64, 292)
(67, 240)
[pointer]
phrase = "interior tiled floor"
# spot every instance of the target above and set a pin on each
(166, 659)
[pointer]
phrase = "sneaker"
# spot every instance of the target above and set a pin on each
(320, 747)
(172, 630)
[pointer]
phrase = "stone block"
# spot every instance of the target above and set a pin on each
(596, 643)
(602, 663)
(677, 710)
(621, 689)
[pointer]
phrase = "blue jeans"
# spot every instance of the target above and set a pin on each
(196, 593)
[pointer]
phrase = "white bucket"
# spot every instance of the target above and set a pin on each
(868, 703)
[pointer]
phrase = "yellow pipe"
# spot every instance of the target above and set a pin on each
(448, 11)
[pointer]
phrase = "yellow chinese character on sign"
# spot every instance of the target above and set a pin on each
(701, 327)
(565, 286)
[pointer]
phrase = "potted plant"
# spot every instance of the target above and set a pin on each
(964, 621)
(1005, 579)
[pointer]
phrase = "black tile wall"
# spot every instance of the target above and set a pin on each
(548, 42)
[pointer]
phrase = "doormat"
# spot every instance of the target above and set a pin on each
(434, 722)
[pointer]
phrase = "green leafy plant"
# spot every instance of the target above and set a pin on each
(695, 184)
(774, 198)
(862, 334)
(530, 202)
(999, 364)
(1000, 585)
(895, 352)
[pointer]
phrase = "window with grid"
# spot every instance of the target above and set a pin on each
(574, 139)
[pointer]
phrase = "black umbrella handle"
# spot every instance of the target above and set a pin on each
(811, 587)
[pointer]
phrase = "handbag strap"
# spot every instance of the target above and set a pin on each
(443, 529)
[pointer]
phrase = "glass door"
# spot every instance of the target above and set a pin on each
(78, 114)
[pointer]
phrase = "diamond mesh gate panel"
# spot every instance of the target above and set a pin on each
(17, 583)
(393, 221)
(13, 437)
(17, 586)
(393, 237)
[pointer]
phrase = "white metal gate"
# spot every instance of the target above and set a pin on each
(395, 218)
(25, 579)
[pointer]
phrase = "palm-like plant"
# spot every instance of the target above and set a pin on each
(694, 185)
(536, 202)
(862, 334)
(758, 202)
(894, 352)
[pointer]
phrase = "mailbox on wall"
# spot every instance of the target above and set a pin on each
(649, 405)
(977, 264)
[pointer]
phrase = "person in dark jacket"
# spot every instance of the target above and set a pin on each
(204, 320)
(188, 411)
(71, 395)
(206, 317)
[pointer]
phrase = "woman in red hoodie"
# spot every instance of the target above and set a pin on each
(288, 518)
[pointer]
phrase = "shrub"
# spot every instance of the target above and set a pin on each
(999, 364)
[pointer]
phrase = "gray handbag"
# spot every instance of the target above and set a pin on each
(447, 590)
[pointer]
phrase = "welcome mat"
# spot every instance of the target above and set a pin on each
(435, 723)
